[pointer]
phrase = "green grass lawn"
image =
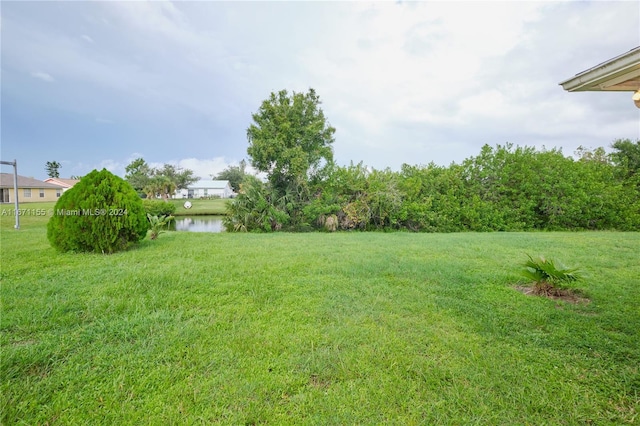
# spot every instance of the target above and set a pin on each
(318, 328)
(200, 207)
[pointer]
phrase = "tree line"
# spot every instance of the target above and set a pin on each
(503, 188)
(157, 182)
(162, 182)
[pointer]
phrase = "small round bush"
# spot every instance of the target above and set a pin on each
(102, 213)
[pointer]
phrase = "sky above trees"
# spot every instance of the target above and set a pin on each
(98, 84)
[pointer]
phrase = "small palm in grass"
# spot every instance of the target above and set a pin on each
(549, 277)
(158, 224)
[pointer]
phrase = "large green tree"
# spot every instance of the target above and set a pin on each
(234, 174)
(290, 140)
(179, 177)
(138, 174)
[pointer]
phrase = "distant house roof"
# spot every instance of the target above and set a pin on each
(66, 183)
(6, 181)
(621, 73)
(209, 184)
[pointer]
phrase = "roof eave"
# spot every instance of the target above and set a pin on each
(621, 73)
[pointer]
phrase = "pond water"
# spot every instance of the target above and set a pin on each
(198, 224)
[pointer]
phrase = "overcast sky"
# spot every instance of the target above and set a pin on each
(97, 84)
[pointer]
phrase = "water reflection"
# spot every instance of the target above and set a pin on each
(198, 224)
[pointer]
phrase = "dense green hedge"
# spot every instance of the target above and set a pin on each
(158, 207)
(101, 213)
(504, 188)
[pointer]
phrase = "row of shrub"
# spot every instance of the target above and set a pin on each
(158, 207)
(504, 188)
(501, 189)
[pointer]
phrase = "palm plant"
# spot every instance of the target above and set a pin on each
(152, 189)
(158, 224)
(549, 276)
(254, 209)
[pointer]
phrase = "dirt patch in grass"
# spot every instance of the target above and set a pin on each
(21, 343)
(566, 295)
(319, 382)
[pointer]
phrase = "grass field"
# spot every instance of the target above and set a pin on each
(200, 207)
(318, 328)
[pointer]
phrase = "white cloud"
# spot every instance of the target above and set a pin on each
(204, 168)
(113, 166)
(156, 18)
(82, 168)
(42, 76)
(491, 103)
(402, 83)
(412, 72)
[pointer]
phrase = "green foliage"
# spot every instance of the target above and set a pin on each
(234, 174)
(530, 189)
(53, 169)
(598, 154)
(290, 140)
(101, 213)
(138, 174)
(177, 177)
(503, 188)
(257, 208)
(544, 272)
(626, 154)
(434, 199)
(158, 207)
(359, 198)
(157, 225)
(159, 186)
(157, 182)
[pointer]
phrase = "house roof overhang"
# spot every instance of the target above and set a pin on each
(621, 73)
(6, 181)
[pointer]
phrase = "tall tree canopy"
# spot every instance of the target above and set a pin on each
(290, 139)
(626, 154)
(52, 168)
(180, 177)
(234, 174)
(138, 174)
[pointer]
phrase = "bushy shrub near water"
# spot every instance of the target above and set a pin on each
(101, 213)
(158, 207)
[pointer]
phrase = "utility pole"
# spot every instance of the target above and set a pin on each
(14, 163)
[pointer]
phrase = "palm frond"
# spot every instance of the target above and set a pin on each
(549, 271)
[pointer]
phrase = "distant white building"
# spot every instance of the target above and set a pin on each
(206, 189)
